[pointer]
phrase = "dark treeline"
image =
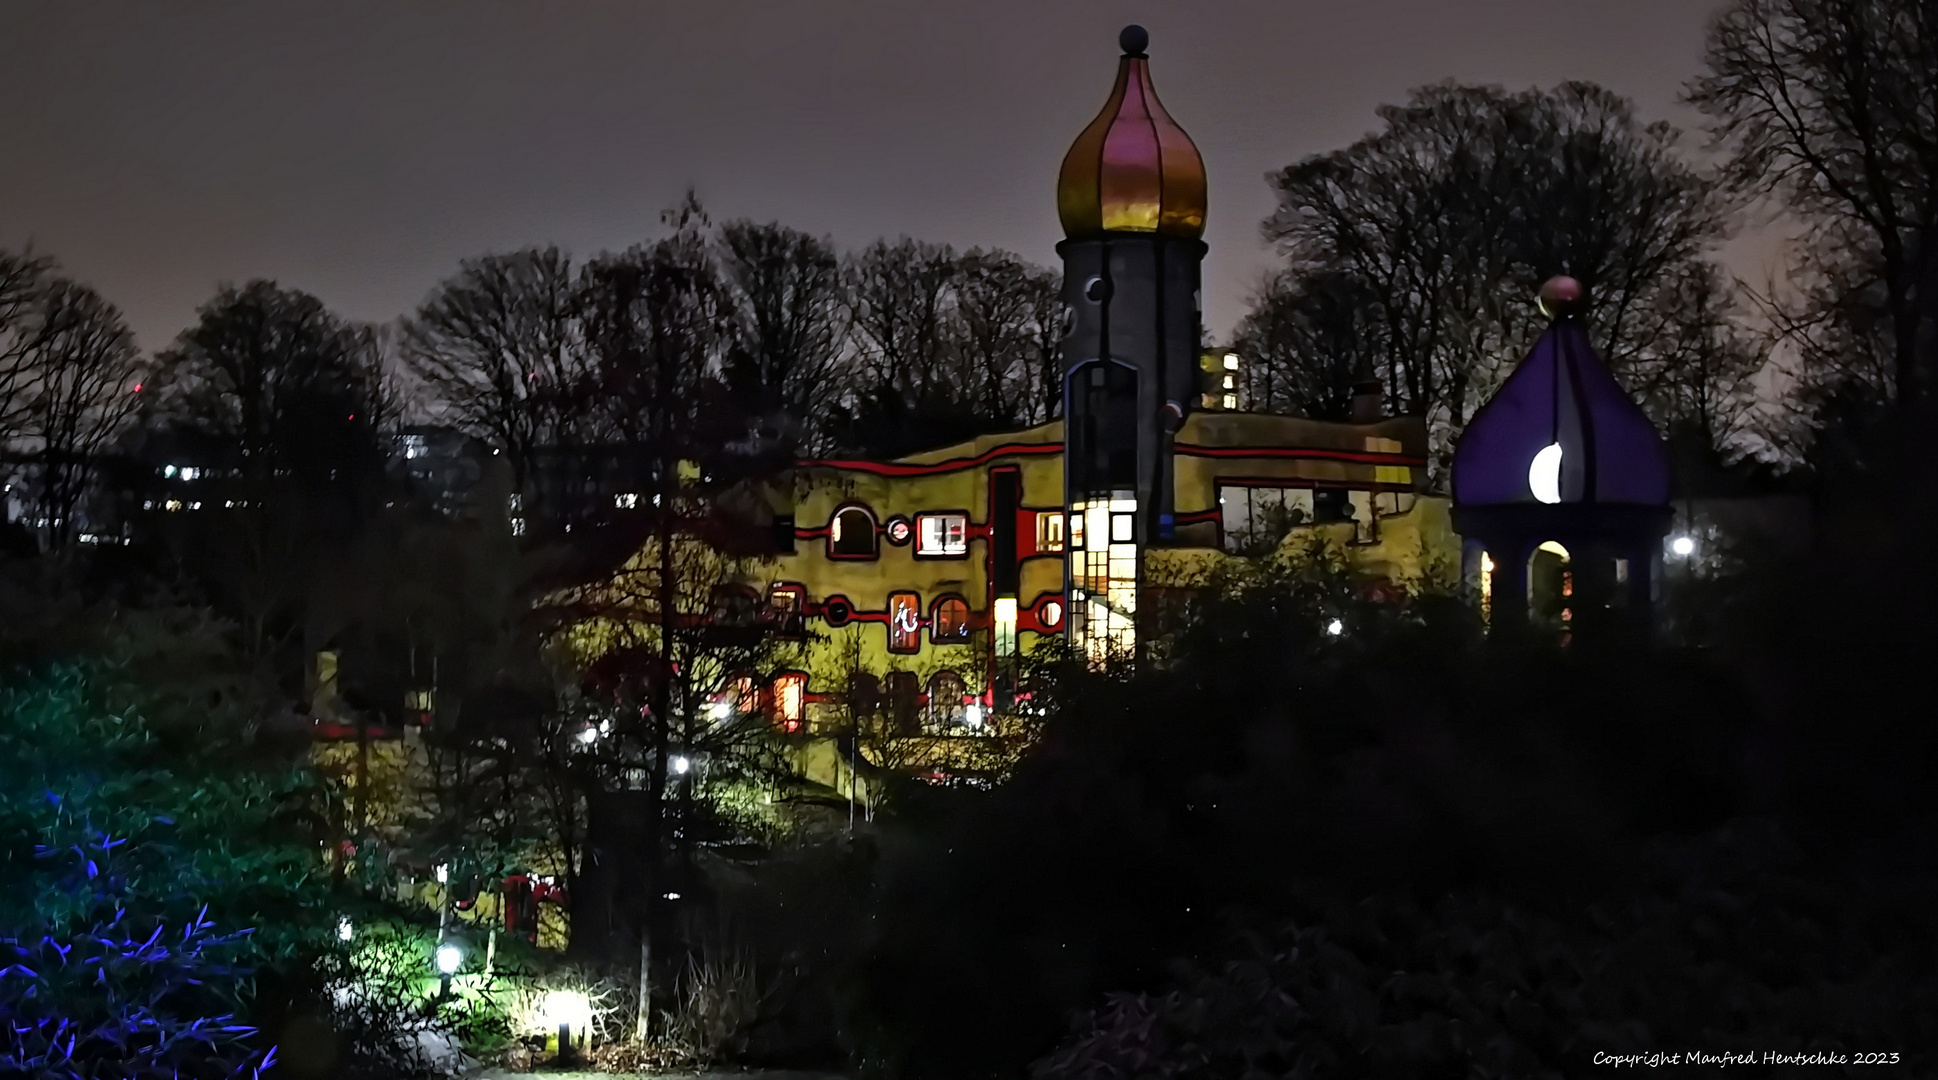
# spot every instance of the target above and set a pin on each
(896, 347)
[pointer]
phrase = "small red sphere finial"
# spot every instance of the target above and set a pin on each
(1561, 296)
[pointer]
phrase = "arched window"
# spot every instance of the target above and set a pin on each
(946, 711)
(904, 699)
(851, 535)
(1551, 586)
(949, 622)
(864, 695)
(735, 605)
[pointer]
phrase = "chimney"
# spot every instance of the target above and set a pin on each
(1369, 401)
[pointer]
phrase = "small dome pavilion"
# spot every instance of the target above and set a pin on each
(1133, 169)
(1561, 483)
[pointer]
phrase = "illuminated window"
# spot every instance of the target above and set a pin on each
(941, 534)
(1486, 588)
(785, 600)
(1076, 532)
(949, 624)
(787, 701)
(904, 622)
(1123, 528)
(947, 708)
(1256, 519)
(1551, 586)
(1049, 531)
(851, 535)
(1005, 626)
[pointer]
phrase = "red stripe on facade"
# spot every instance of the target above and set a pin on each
(885, 468)
(889, 468)
(1362, 457)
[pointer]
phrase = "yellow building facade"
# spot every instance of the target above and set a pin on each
(920, 582)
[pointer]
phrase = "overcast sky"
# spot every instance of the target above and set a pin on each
(360, 149)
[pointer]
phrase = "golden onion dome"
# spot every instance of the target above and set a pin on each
(1133, 169)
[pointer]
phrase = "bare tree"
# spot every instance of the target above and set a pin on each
(999, 308)
(281, 379)
(497, 348)
(23, 281)
(85, 374)
(1828, 105)
(791, 321)
(1308, 340)
(1450, 216)
(948, 347)
(902, 293)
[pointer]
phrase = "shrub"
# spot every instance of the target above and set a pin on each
(113, 993)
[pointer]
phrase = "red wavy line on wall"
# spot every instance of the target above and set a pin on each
(889, 468)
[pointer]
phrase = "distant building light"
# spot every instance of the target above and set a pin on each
(1683, 546)
(345, 931)
(168, 471)
(681, 764)
(1231, 361)
(1335, 628)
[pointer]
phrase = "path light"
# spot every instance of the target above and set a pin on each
(443, 873)
(449, 958)
(1683, 546)
(570, 1011)
(1336, 627)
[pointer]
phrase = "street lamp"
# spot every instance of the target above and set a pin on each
(1683, 546)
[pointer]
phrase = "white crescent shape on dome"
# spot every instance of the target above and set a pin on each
(1544, 474)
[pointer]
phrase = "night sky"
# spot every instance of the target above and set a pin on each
(360, 149)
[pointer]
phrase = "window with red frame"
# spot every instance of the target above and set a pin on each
(947, 709)
(787, 701)
(904, 622)
(942, 535)
(949, 624)
(851, 535)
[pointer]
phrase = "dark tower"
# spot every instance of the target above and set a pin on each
(1131, 197)
(1561, 486)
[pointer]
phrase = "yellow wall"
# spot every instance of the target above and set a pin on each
(1211, 447)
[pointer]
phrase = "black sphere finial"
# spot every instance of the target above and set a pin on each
(1133, 40)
